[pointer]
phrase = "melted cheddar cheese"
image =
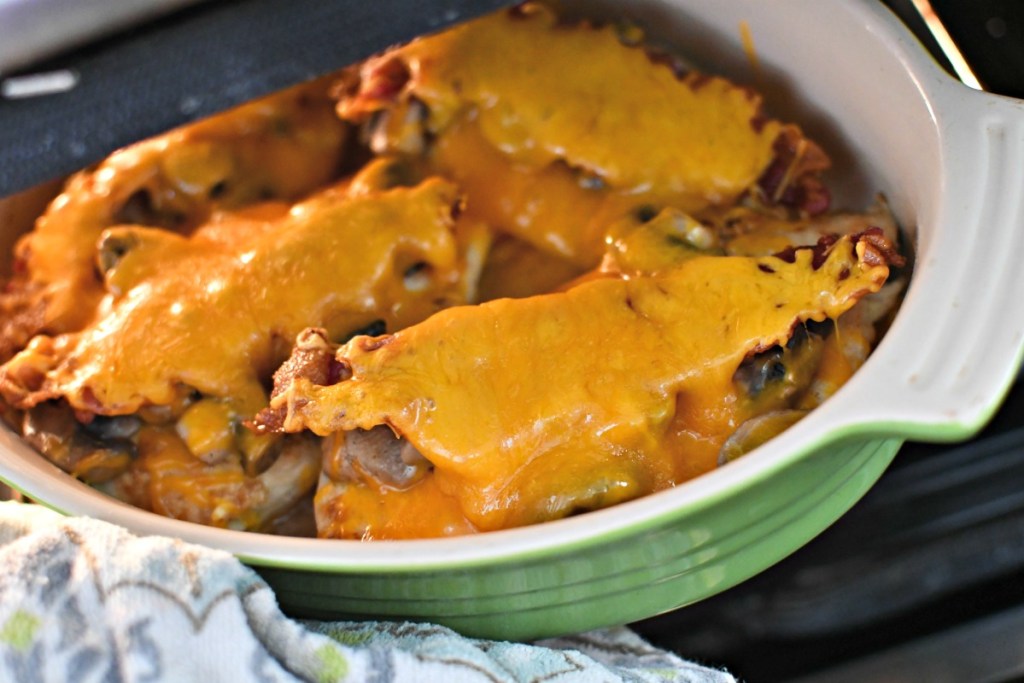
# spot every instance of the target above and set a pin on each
(556, 131)
(532, 409)
(542, 94)
(196, 314)
(281, 147)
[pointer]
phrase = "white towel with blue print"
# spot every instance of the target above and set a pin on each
(82, 600)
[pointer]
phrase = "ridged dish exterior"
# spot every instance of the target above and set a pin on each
(671, 563)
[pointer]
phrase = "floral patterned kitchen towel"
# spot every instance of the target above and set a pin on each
(82, 600)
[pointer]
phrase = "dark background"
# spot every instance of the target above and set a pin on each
(989, 33)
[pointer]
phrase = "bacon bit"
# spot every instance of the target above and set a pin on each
(312, 363)
(878, 246)
(790, 180)
(339, 371)
(873, 248)
(772, 177)
(311, 359)
(871, 256)
(811, 196)
(267, 421)
(819, 251)
(384, 81)
(93, 406)
(788, 254)
(758, 121)
(697, 80)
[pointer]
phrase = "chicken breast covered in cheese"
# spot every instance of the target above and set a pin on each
(528, 410)
(191, 328)
(556, 130)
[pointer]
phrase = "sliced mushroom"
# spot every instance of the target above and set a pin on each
(756, 431)
(375, 453)
(772, 378)
(52, 430)
(289, 480)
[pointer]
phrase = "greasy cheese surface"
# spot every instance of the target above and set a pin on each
(281, 147)
(531, 409)
(546, 207)
(213, 314)
(544, 93)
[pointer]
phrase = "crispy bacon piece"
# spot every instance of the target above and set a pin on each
(536, 408)
(312, 359)
(22, 313)
(792, 178)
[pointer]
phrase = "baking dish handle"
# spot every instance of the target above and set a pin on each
(956, 347)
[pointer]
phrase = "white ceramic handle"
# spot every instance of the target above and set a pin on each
(966, 324)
